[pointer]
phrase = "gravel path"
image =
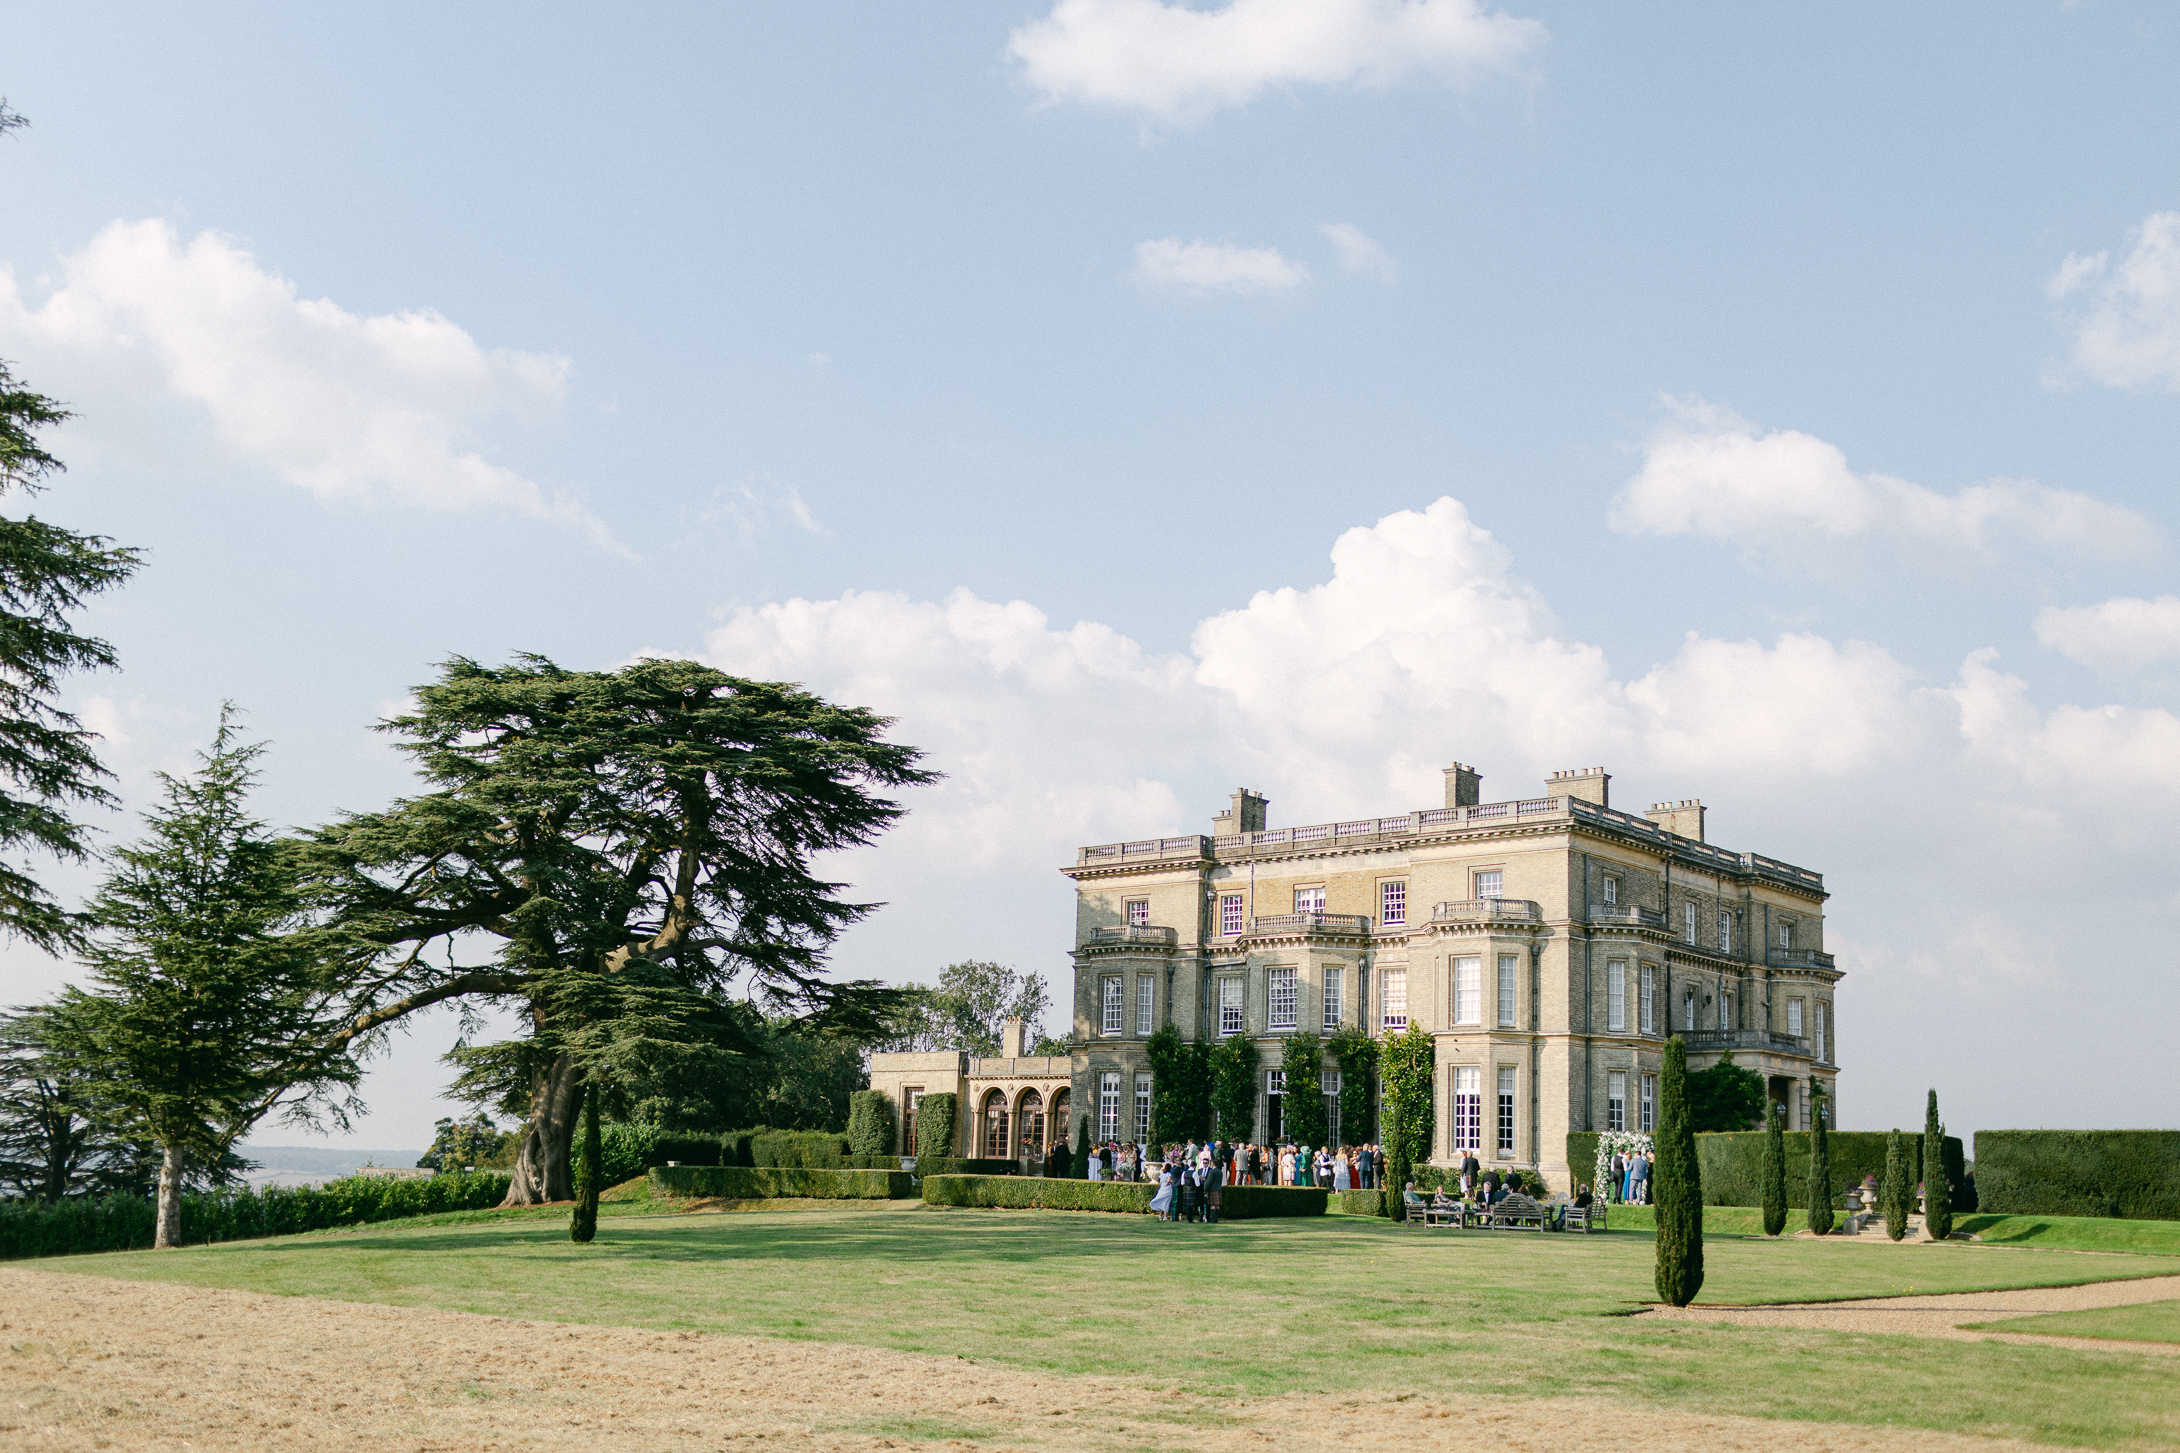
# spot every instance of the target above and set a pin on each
(91, 1362)
(1941, 1316)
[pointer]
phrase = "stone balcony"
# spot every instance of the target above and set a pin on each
(1629, 913)
(1136, 933)
(1797, 958)
(1310, 923)
(1489, 910)
(1713, 1040)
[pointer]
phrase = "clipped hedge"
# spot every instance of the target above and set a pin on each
(124, 1223)
(870, 1124)
(761, 1183)
(2134, 1174)
(1038, 1193)
(937, 1125)
(1256, 1203)
(1359, 1203)
(1732, 1162)
(800, 1149)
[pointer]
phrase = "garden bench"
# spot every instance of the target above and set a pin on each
(1516, 1210)
(1585, 1218)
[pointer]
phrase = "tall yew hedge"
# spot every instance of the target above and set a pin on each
(2131, 1173)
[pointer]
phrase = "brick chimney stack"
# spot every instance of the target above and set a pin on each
(1245, 813)
(1464, 786)
(1591, 784)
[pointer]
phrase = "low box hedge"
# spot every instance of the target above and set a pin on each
(1732, 1163)
(1256, 1203)
(1359, 1203)
(2132, 1174)
(758, 1183)
(1037, 1193)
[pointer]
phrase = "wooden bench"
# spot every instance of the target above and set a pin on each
(1585, 1218)
(1517, 1210)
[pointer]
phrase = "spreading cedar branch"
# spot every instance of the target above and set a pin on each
(608, 852)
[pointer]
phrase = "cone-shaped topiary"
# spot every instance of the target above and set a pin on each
(935, 1119)
(1893, 1195)
(1082, 1148)
(1774, 1168)
(584, 1224)
(1937, 1193)
(1677, 1185)
(1820, 1165)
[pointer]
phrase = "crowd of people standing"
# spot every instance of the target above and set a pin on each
(1191, 1176)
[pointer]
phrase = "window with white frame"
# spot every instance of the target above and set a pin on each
(1506, 1109)
(1229, 914)
(1362, 997)
(1786, 935)
(1509, 980)
(1468, 1107)
(1142, 1109)
(1283, 999)
(1275, 1090)
(1725, 931)
(1109, 1105)
(1229, 1007)
(1688, 1011)
(1688, 921)
(1468, 989)
(1649, 1020)
(1648, 1109)
(1820, 1045)
(1794, 1017)
(1491, 884)
(1616, 1099)
(1328, 1085)
(1725, 1010)
(1395, 997)
(1333, 975)
(1616, 997)
(1139, 912)
(1109, 1000)
(1393, 902)
(1612, 891)
(1309, 900)
(1146, 994)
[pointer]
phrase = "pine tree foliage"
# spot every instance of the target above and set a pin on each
(583, 1222)
(1677, 1185)
(59, 1135)
(1937, 1192)
(622, 847)
(1774, 1168)
(1895, 1197)
(1820, 1164)
(209, 1010)
(47, 765)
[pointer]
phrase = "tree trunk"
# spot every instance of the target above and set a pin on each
(542, 1172)
(169, 1234)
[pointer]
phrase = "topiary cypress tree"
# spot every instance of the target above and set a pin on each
(1677, 1185)
(1082, 1148)
(1774, 1168)
(1893, 1195)
(1937, 1193)
(584, 1224)
(1820, 1165)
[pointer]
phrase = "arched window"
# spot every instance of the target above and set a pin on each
(995, 1126)
(1057, 1118)
(1029, 1120)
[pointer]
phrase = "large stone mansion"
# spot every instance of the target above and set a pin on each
(1549, 945)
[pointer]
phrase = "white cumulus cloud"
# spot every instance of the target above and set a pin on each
(2126, 318)
(2122, 634)
(1177, 63)
(1707, 472)
(1211, 267)
(1359, 252)
(343, 405)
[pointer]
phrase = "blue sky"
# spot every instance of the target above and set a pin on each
(1016, 370)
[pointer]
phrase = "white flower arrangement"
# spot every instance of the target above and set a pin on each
(1609, 1142)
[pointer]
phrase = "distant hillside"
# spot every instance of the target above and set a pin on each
(307, 1165)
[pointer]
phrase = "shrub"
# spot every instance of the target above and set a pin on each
(1893, 1194)
(1408, 1064)
(1047, 1193)
(870, 1124)
(1732, 1162)
(1234, 1095)
(1679, 1186)
(1937, 1189)
(936, 1119)
(1258, 1203)
(121, 1223)
(1302, 1108)
(1820, 1166)
(799, 1149)
(1082, 1147)
(1359, 1203)
(1774, 1168)
(1357, 1055)
(747, 1183)
(2129, 1173)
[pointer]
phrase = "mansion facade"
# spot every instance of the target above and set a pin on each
(1548, 944)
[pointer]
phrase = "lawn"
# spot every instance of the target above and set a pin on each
(1334, 1304)
(2149, 1322)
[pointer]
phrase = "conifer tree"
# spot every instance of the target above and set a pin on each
(1820, 1165)
(1893, 1193)
(1678, 1185)
(1937, 1191)
(1082, 1148)
(584, 1224)
(1774, 1168)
